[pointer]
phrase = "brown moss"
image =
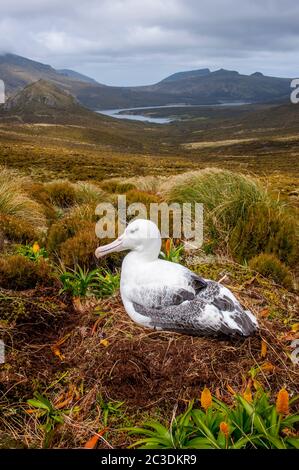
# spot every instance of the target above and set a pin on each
(269, 265)
(41, 195)
(117, 187)
(62, 193)
(17, 230)
(135, 195)
(79, 218)
(79, 249)
(19, 273)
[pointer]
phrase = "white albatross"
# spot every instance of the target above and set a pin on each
(163, 295)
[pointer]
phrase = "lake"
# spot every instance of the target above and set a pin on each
(115, 113)
(121, 112)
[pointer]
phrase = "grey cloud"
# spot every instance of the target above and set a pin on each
(141, 41)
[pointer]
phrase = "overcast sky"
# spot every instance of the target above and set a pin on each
(134, 42)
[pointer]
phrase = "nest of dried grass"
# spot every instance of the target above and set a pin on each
(99, 351)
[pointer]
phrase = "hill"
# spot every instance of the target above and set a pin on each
(202, 86)
(76, 76)
(17, 72)
(192, 87)
(184, 75)
(42, 101)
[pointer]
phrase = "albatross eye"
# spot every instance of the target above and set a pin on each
(133, 230)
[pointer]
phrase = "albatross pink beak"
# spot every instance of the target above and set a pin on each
(113, 247)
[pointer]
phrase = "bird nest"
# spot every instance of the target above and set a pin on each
(91, 348)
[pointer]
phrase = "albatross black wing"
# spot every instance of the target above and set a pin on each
(210, 312)
(161, 296)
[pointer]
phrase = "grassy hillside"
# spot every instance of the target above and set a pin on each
(70, 141)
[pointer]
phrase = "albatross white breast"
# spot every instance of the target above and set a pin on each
(167, 296)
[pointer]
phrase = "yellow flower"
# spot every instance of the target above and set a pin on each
(206, 398)
(282, 402)
(104, 342)
(35, 248)
(263, 349)
(224, 428)
(168, 246)
(247, 394)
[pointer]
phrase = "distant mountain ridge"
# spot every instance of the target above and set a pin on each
(191, 87)
(76, 75)
(17, 72)
(188, 74)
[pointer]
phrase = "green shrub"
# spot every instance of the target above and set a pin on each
(20, 273)
(49, 416)
(270, 266)
(266, 229)
(17, 230)
(72, 239)
(33, 252)
(107, 283)
(240, 214)
(171, 252)
(247, 424)
(81, 282)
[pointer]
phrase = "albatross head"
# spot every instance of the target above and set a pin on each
(141, 236)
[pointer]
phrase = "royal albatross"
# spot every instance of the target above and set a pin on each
(167, 296)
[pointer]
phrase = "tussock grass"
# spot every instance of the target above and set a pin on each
(117, 186)
(62, 193)
(14, 201)
(89, 193)
(240, 213)
(150, 184)
(65, 194)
